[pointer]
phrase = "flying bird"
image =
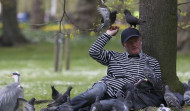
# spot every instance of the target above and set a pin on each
(121, 103)
(133, 21)
(186, 94)
(171, 99)
(108, 17)
(10, 93)
(96, 106)
(55, 93)
(163, 108)
(62, 99)
(24, 105)
(150, 74)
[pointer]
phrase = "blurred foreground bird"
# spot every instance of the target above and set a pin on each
(187, 94)
(130, 99)
(171, 99)
(10, 93)
(133, 21)
(163, 108)
(120, 104)
(150, 74)
(108, 17)
(96, 106)
(24, 105)
(55, 93)
(62, 99)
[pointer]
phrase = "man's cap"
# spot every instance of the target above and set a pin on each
(128, 33)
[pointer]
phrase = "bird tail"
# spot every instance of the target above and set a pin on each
(100, 27)
(141, 22)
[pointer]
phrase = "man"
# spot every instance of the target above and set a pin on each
(122, 68)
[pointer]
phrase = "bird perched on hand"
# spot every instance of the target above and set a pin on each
(163, 108)
(133, 21)
(24, 105)
(150, 74)
(96, 106)
(171, 99)
(10, 93)
(62, 99)
(120, 104)
(186, 94)
(108, 17)
(55, 93)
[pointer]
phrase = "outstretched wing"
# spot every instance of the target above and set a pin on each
(105, 13)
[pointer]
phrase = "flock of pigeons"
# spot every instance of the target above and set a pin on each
(12, 99)
(108, 17)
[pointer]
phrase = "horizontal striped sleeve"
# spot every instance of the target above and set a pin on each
(157, 69)
(98, 53)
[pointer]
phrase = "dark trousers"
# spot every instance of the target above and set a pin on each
(88, 97)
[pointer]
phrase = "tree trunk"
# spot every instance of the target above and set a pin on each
(160, 37)
(37, 15)
(11, 33)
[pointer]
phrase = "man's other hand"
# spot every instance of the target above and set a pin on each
(112, 31)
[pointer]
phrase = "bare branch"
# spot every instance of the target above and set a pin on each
(183, 3)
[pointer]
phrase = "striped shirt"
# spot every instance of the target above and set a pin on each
(121, 69)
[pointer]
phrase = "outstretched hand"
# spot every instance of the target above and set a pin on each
(112, 31)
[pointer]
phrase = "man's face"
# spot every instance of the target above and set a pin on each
(133, 45)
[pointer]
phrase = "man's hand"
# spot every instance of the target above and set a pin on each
(112, 31)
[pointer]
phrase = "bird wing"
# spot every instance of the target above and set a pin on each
(21, 102)
(10, 93)
(172, 100)
(105, 13)
(187, 97)
(131, 19)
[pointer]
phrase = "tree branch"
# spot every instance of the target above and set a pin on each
(183, 3)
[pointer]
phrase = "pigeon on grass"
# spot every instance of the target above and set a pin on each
(171, 99)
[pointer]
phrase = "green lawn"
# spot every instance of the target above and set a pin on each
(35, 62)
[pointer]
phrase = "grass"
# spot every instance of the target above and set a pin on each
(35, 62)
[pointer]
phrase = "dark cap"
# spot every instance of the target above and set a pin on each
(128, 33)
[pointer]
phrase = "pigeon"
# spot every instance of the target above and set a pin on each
(55, 93)
(121, 103)
(62, 99)
(66, 106)
(189, 82)
(129, 98)
(133, 21)
(150, 74)
(24, 105)
(171, 99)
(96, 106)
(186, 94)
(108, 17)
(163, 108)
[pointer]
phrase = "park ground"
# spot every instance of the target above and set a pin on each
(35, 62)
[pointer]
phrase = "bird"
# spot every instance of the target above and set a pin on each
(171, 99)
(163, 108)
(108, 17)
(55, 93)
(62, 99)
(150, 74)
(186, 94)
(189, 82)
(10, 93)
(133, 21)
(129, 98)
(96, 106)
(66, 106)
(24, 105)
(120, 104)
